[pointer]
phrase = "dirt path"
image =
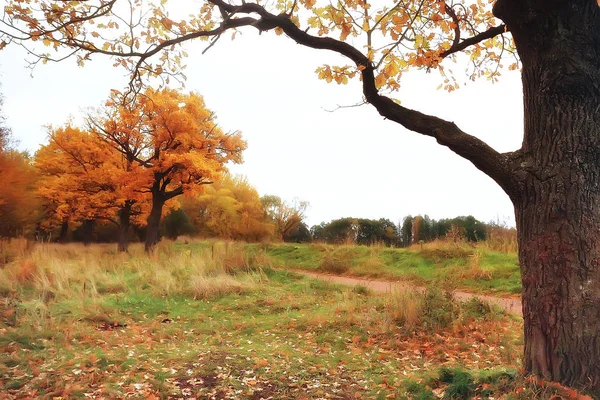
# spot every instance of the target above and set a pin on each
(510, 305)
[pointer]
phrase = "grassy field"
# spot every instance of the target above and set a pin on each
(459, 266)
(218, 321)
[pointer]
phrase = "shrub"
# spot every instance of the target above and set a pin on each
(361, 290)
(336, 261)
(406, 308)
(440, 310)
(460, 382)
(501, 239)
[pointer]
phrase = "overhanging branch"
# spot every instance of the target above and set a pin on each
(485, 158)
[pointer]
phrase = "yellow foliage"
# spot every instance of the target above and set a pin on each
(407, 30)
(230, 209)
(140, 155)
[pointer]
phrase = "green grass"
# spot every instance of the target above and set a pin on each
(461, 266)
(133, 326)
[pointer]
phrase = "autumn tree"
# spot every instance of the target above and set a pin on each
(552, 180)
(230, 208)
(84, 179)
(472, 229)
(17, 180)
(285, 216)
(18, 204)
(301, 234)
(172, 143)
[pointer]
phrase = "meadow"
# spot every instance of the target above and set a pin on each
(229, 321)
(479, 268)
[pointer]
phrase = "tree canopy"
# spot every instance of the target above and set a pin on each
(171, 145)
(80, 177)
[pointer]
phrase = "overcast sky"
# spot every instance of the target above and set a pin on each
(346, 163)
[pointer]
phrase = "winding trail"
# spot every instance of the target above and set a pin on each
(509, 304)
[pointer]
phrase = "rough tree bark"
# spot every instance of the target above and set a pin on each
(64, 231)
(153, 221)
(557, 199)
(124, 224)
(87, 229)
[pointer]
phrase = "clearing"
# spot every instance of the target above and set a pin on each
(217, 321)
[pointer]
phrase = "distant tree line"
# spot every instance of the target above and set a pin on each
(410, 230)
(361, 231)
(356, 230)
(425, 229)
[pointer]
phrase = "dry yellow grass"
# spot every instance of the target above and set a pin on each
(76, 271)
(13, 248)
(502, 240)
(474, 269)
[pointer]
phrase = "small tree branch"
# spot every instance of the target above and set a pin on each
(460, 46)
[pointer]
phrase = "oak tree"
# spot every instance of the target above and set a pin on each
(553, 180)
(172, 143)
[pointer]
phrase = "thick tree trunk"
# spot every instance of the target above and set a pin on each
(559, 247)
(64, 231)
(557, 202)
(88, 231)
(153, 222)
(124, 224)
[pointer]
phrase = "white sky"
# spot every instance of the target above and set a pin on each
(347, 163)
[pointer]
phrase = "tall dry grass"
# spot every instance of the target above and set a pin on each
(474, 270)
(81, 280)
(408, 310)
(336, 260)
(74, 271)
(13, 248)
(502, 239)
(499, 239)
(444, 248)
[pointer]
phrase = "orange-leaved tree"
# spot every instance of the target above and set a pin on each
(553, 180)
(84, 179)
(17, 181)
(18, 205)
(171, 140)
